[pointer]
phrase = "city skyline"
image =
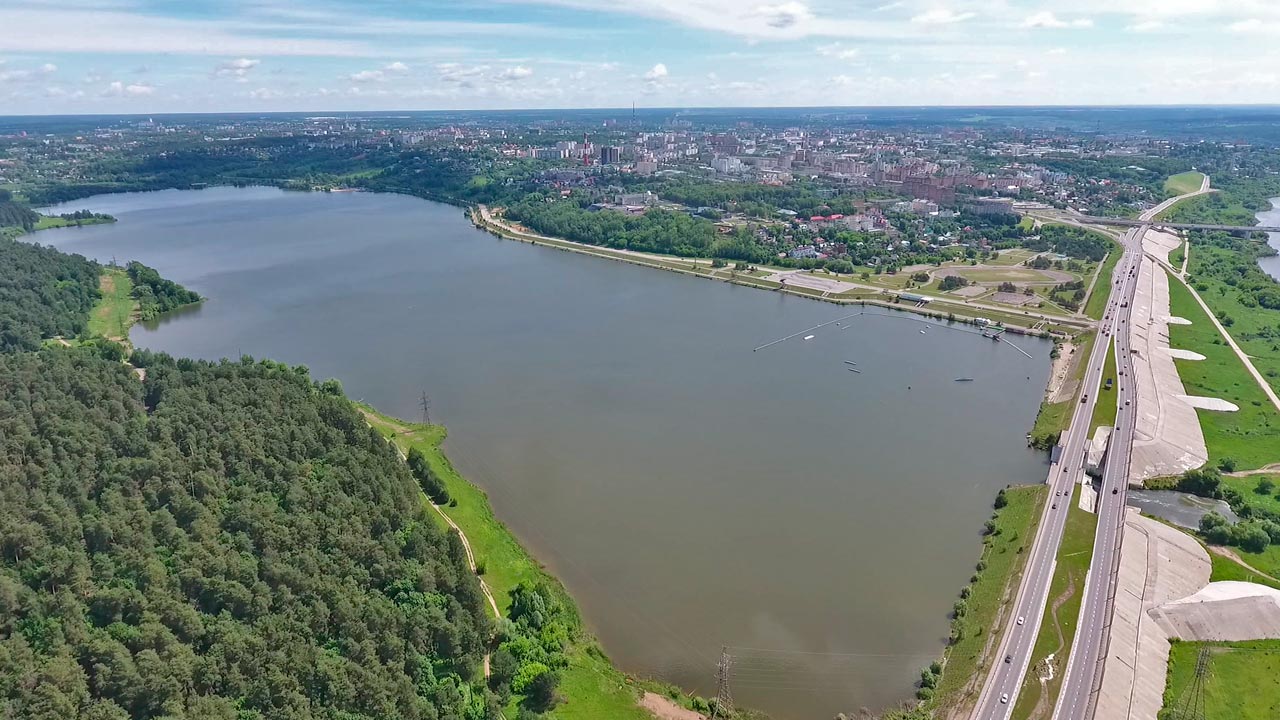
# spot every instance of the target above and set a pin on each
(147, 56)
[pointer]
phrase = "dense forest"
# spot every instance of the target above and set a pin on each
(156, 295)
(13, 214)
(226, 540)
(43, 293)
(220, 541)
(658, 230)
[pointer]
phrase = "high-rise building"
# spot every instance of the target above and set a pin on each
(610, 155)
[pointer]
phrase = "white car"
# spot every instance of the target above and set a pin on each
(1020, 619)
(1004, 699)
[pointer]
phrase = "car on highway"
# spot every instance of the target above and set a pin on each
(1008, 658)
(1055, 506)
(1115, 490)
(1020, 619)
(1004, 699)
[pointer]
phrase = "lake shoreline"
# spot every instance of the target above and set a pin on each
(956, 312)
(760, 319)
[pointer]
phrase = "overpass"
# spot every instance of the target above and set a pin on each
(1127, 222)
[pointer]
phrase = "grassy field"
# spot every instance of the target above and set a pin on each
(1224, 568)
(1003, 553)
(1251, 436)
(595, 688)
(1242, 683)
(1247, 487)
(1183, 183)
(113, 313)
(1252, 327)
(48, 223)
(1177, 255)
(1107, 405)
(1101, 290)
(1058, 626)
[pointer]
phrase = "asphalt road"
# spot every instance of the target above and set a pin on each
(1077, 698)
(1000, 691)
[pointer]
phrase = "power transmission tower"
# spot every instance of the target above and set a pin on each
(1191, 705)
(724, 700)
(425, 404)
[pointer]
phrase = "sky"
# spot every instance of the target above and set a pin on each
(155, 56)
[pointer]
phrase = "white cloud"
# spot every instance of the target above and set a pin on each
(237, 69)
(30, 29)
(119, 89)
(785, 15)
(48, 68)
(657, 73)
(1047, 19)
(365, 76)
(396, 67)
(1145, 26)
(1253, 26)
(941, 16)
(518, 72)
(1057, 51)
(837, 51)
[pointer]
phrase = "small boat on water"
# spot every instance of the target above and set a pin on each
(922, 332)
(964, 379)
(808, 337)
(850, 362)
(855, 370)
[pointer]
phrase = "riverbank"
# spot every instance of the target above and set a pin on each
(592, 686)
(936, 307)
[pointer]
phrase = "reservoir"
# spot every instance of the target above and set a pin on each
(1271, 265)
(691, 493)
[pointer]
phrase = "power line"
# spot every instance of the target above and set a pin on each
(1191, 705)
(724, 699)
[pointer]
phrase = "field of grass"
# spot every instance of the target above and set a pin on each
(1183, 183)
(1107, 405)
(1101, 291)
(113, 313)
(1058, 625)
(47, 223)
(1003, 553)
(1242, 683)
(1252, 327)
(1247, 487)
(1267, 561)
(594, 688)
(1224, 568)
(1027, 223)
(1251, 436)
(1177, 255)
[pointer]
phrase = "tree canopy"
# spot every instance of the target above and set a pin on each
(43, 293)
(223, 540)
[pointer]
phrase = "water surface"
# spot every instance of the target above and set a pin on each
(1271, 265)
(691, 493)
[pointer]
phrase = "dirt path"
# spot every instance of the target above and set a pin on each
(1264, 470)
(664, 708)
(1230, 554)
(466, 544)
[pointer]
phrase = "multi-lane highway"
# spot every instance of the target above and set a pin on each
(1000, 690)
(1077, 698)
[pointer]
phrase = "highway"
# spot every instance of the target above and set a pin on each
(1000, 691)
(1077, 698)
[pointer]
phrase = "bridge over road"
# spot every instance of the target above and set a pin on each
(1126, 222)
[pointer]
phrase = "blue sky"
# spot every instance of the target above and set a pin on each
(91, 56)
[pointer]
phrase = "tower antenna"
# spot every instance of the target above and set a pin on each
(425, 404)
